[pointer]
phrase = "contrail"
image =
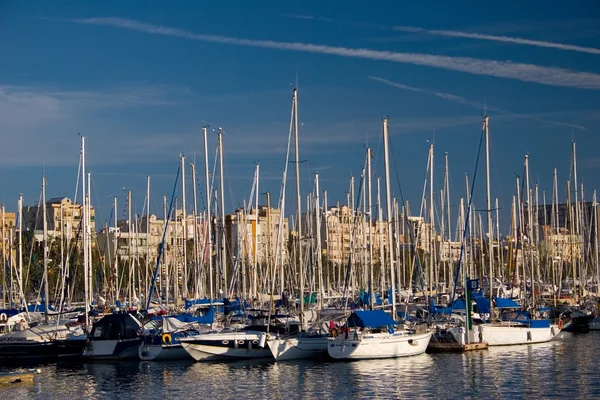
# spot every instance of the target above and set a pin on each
(494, 38)
(460, 34)
(461, 100)
(552, 76)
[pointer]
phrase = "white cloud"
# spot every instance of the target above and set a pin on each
(502, 69)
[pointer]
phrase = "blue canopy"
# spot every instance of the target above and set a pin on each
(39, 307)
(505, 303)
(483, 305)
(459, 304)
(371, 319)
(438, 310)
(207, 318)
(365, 298)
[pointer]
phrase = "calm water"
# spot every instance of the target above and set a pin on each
(568, 367)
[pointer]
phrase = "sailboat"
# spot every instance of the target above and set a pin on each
(515, 325)
(373, 333)
(303, 343)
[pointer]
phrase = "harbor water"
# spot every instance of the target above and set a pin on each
(567, 367)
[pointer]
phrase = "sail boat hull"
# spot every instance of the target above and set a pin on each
(299, 347)
(506, 335)
(225, 346)
(379, 345)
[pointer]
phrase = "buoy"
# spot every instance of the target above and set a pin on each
(166, 338)
(262, 341)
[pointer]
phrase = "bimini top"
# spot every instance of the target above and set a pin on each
(370, 319)
(505, 303)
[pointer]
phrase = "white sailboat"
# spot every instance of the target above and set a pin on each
(515, 327)
(226, 345)
(374, 334)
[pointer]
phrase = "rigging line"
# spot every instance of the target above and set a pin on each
(466, 224)
(417, 259)
(345, 294)
(162, 243)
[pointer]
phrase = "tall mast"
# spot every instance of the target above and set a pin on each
(595, 216)
(389, 213)
(298, 208)
(88, 224)
(115, 252)
(165, 261)
(318, 244)
(20, 277)
(489, 210)
(255, 258)
(223, 244)
(45, 239)
(208, 218)
(530, 229)
(195, 235)
(148, 276)
(576, 222)
(130, 250)
(185, 231)
(431, 221)
(369, 213)
(4, 286)
(85, 235)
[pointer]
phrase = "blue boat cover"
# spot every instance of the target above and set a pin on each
(365, 298)
(505, 303)
(207, 318)
(438, 310)
(459, 304)
(39, 308)
(483, 305)
(371, 319)
(9, 312)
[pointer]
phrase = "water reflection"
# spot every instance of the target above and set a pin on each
(566, 367)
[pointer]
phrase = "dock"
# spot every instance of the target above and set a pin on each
(455, 347)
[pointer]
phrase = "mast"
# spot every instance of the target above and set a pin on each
(380, 234)
(45, 239)
(4, 287)
(195, 235)
(20, 277)
(431, 221)
(489, 210)
(208, 217)
(389, 213)
(318, 244)
(165, 261)
(85, 233)
(222, 184)
(147, 238)
(370, 229)
(185, 231)
(115, 252)
(595, 216)
(298, 209)
(530, 229)
(576, 224)
(130, 250)
(255, 258)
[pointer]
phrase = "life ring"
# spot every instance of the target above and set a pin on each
(167, 339)
(560, 324)
(333, 332)
(3, 317)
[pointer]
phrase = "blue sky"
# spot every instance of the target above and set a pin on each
(140, 79)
